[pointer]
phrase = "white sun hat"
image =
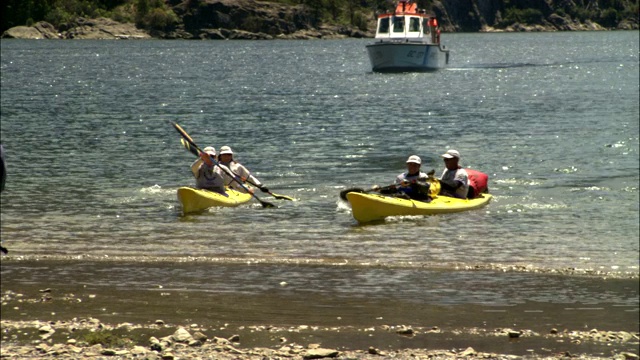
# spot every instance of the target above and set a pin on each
(450, 154)
(226, 150)
(414, 159)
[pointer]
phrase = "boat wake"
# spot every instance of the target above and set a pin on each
(523, 65)
(498, 66)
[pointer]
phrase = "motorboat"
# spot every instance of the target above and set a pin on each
(407, 40)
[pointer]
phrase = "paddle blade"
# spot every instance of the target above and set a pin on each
(264, 203)
(188, 146)
(184, 134)
(282, 197)
(343, 193)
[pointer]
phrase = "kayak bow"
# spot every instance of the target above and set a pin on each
(196, 200)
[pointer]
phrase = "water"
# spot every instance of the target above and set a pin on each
(94, 164)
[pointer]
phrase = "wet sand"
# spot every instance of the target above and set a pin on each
(268, 324)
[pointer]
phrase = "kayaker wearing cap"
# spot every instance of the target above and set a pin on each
(454, 181)
(242, 173)
(413, 183)
(208, 175)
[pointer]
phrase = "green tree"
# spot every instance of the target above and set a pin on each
(609, 18)
(142, 9)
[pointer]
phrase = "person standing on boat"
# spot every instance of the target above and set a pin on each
(209, 176)
(454, 181)
(413, 183)
(433, 29)
(242, 173)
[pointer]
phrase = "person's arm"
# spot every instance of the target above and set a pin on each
(224, 171)
(400, 180)
(421, 184)
(450, 185)
(246, 175)
(195, 166)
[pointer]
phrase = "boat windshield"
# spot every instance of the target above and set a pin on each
(425, 26)
(414, 24)
(398, 24)
(383, 27)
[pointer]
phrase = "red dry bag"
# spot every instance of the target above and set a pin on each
(478, 181)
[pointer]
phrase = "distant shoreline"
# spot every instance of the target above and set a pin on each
(107, 29)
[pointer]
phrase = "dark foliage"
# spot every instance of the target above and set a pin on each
(159, 14)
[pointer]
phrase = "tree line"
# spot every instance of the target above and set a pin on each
(157, 14)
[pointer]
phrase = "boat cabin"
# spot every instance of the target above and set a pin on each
(408, 23)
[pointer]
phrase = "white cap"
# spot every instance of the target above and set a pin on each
(225, 150)
(414, 159)
(210, 150)
(450, 154)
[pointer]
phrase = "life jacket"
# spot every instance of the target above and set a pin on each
(478, 181)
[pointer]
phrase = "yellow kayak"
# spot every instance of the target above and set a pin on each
(370, 207)
(196, 200)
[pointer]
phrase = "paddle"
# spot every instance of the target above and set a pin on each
(195, 152)
(343, 193)
(192, 143)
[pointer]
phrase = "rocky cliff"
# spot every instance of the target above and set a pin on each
(488, 15)
(252, 19)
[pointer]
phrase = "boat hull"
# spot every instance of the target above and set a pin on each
(372, 207)
(387, 56)
(197, 200)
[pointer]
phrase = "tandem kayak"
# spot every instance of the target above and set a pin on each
(196, 200)
(371, 207)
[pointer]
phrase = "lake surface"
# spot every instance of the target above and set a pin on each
(93, 166)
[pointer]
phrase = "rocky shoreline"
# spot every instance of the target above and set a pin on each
(27, 334)
(90, 338)
(73, 314)
(107, 29)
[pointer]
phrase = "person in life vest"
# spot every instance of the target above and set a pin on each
(209, 176)
(435, 32)
(412, 184)
(241, 173)
(454, 181)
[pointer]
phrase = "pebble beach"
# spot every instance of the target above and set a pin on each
(77, 322)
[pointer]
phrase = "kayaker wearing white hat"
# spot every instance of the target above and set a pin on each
(454, 181)
(243, 174)
(208, 175)
(413, 183)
